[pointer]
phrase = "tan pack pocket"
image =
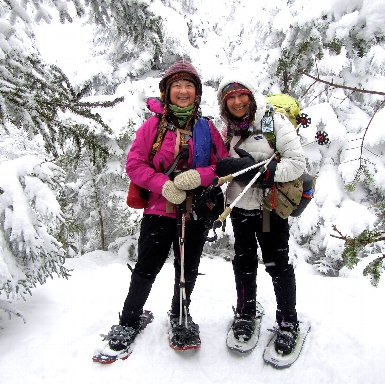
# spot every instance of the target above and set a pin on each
(284, 197)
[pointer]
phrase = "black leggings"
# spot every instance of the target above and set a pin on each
(157, 235)
(247, 227)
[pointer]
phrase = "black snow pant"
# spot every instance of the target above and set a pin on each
(247, 227)
(157, 235)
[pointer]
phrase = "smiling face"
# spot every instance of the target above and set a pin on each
(238, 104)
(182, 93)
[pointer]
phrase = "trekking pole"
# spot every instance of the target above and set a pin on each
(218, 223)
(220, 180)
(181, 227)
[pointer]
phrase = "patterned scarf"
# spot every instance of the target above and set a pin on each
(181, 114)
(244, 128)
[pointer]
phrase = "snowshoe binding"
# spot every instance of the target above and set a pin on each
(185, 335)
(286, 344)
(120, 339)
(286, 340)
(243, 335)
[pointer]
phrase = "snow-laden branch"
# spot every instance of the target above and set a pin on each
(30, 217)
(332, 84)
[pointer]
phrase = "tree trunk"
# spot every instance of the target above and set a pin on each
(102, 241)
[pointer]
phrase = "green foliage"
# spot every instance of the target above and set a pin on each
(69, 229)
(299, 58)
(34, 96)
(94, 201)
(374, 269)
(131, 19)
(354, 251)
(363, 174)
(127, 28)
(354, 246)
(304, 44)
(380, 213)
(29, 218)
(335, 45)
(37, 8)
(128, 132)
(361, 46)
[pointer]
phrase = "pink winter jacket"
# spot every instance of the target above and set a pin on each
(151, 177)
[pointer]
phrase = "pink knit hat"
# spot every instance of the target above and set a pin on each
(180, 70)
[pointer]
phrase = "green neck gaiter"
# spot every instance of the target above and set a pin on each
(182, 114)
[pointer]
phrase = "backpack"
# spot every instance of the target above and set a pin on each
(288, 106)
(285, 104)
(292, 197)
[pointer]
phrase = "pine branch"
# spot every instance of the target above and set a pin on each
(355, 245)
(332, 84)
(374, 269)
(362, 168)
(365, 238)
(10, 309)
(33, 95)
(370, 121)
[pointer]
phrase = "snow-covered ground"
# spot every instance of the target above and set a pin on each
(65, 318)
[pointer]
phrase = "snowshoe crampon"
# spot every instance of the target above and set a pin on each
(184, 336)
(108, 354)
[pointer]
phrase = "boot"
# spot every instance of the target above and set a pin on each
(287, 335)
(181, 337)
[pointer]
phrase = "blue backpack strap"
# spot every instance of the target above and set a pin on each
(202, 143)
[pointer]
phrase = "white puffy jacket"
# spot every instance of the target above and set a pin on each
(292, 163)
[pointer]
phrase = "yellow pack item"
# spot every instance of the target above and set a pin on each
(285, 104)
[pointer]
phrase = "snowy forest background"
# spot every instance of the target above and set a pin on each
(64, 136)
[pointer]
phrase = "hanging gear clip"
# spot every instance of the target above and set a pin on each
(303, 120)
(322, 138)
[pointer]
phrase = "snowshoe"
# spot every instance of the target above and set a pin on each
(286, 338)
(243, 335)
(120, 339)
(184, 336)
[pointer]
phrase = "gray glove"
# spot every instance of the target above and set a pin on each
(173, 194)
(188, 180)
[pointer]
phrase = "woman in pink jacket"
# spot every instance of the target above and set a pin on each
(176, 124)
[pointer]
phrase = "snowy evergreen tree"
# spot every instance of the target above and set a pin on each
(30, 218)
(129, 32)
(38, 102)
(339, 47)
(35, 96)
(94, 202)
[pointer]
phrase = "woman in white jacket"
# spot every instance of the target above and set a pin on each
(242, 108)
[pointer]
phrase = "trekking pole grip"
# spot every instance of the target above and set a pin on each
(224, 179)
(218, 223)
(220, 180)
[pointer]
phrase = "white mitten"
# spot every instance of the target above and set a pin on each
(188, 180)
(172, 193)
